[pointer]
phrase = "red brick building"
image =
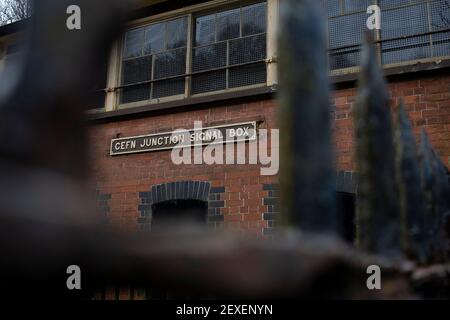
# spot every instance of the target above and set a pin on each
(215, 62)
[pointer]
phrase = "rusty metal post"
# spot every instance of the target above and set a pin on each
(307, 179)
(410, 195)
(376, 207)
(436, 191)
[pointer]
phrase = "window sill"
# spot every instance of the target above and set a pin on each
(196, 101)
(392, 71)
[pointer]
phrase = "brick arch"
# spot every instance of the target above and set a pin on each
(179, 190)
(194, 190)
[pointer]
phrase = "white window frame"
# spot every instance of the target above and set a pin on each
(115, 60)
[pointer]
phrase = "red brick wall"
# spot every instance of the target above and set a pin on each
(427, 101)
(121, 178)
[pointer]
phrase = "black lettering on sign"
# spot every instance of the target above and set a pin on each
(184, 138)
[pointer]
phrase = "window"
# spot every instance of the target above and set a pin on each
(227, 51)
(411, 30)
(154, 58)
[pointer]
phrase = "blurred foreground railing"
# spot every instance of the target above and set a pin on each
(46, 222)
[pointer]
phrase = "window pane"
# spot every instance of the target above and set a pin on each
(406, 49)
(164, 48)
(205, 30)
(228, 24)
(176, 33)
(441, 44)
(345, 58)
(210, 57)
(404, 22)
(135, 93)
(247, 75)
(170, 63)
(133, 43)
(440, 15)
(254, 19)
(154, 38)
(207, 82)
(385, 4)
(330, 7)
(168, 88)
(248, 49)
(136, 70)
(347, 30)
(440, 20)
(239, 39)
(356, 5)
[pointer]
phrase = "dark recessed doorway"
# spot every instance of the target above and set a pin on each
(346, 208)
(173, 212)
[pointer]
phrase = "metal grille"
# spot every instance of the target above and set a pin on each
(247, 75)
(405, 21)
(345, 58)
(356, 5)
(387, 4)
(137, 70)
(410, 30)
(135, 93)
(440, 20)
(171, 63)
(154, 38)
(228, 25)
(406, 49)
(205, 30)
(228, 51)
(347, 30)
(235, 37)
(151, 54)
(331, 8)
(210, 57)
(210, 81)
(133, 43)
(176, 33)
(168, 88)
(248, 49)
(254, 19)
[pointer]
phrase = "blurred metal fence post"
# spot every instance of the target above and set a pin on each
(410, 195)
(376, 206)
(307, 178)
(436, 192)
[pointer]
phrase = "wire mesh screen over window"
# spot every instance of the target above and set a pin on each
(229, 49)
(410, 30)
(154, 61)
